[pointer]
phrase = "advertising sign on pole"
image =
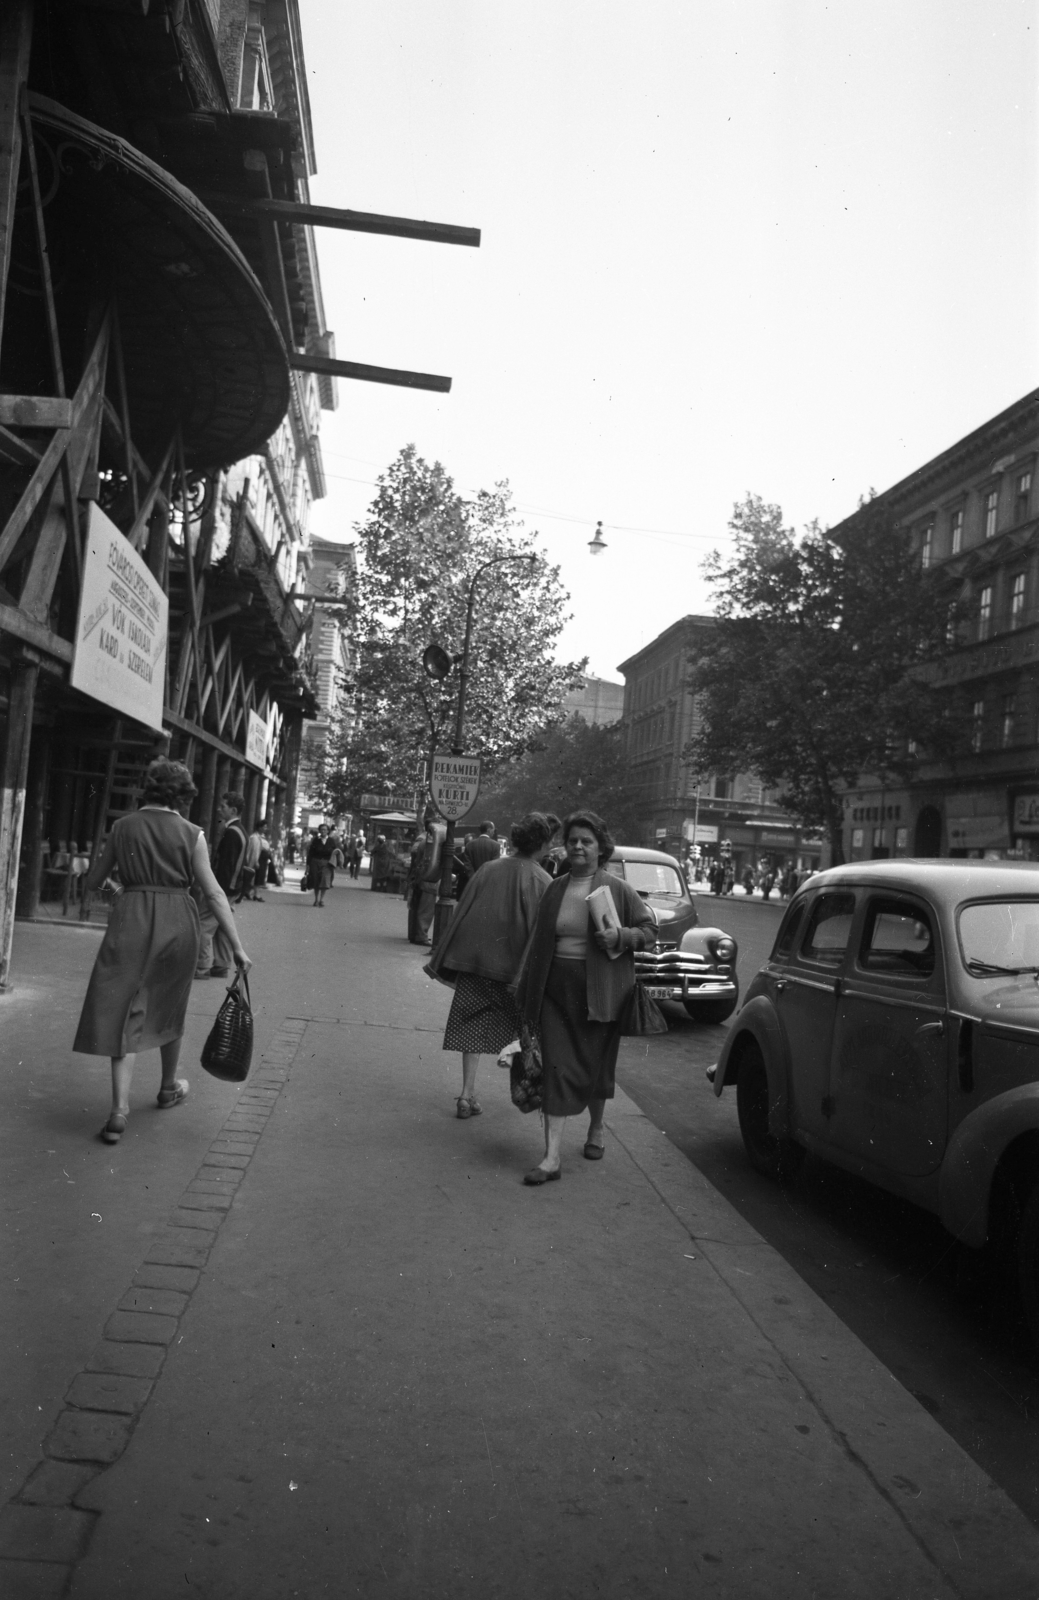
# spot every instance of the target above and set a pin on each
(121, 630)
(256, 741)
(454, 785)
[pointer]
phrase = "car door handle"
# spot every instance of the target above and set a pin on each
(929, 1028)
(780, 985)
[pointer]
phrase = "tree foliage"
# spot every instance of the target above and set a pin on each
(571, 764)
(418, 551)
(811, 675)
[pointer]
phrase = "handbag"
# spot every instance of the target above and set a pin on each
(641, 1015)
(228, 1051)
(304, 882)
(526, 1075)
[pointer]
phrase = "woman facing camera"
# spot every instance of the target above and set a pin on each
(137, 998)
(572, 994)
(481, 950)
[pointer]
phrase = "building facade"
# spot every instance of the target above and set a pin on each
(330, 585)
(974, 516)
(598, 701)
(682, 811)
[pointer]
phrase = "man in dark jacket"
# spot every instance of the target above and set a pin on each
(484, 847)
(215, 956)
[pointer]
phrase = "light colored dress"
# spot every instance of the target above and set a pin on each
(138, 993)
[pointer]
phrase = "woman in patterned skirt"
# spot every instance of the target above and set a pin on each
(480, 953)
(137, 998)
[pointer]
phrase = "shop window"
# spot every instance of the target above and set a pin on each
(991, 513)
(956, 532)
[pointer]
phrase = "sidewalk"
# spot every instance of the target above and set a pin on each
(314, 1337)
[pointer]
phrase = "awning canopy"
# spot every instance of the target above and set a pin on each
(202, 346)
(395, 816)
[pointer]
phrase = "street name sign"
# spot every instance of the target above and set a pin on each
(121, 630)
(454, 785)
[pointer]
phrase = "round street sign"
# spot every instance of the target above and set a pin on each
(454, 785)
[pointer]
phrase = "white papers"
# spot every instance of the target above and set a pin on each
(604, 915)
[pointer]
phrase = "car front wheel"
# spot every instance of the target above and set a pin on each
(775, 1158)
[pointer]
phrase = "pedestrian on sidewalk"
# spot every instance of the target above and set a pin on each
(216, 950)
(354, 855)
(137, 997)
(251, 873)
(483, 848)
(319, 864)
(572, 994)
(481, 950)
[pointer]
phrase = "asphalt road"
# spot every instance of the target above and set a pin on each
(943, 1320)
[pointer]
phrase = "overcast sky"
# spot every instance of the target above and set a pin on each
(770, 245)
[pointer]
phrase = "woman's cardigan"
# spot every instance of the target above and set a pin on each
(609, 982)
(491, 925)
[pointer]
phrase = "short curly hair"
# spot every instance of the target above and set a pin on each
(167, 783)
(531, 832)
(594, 824)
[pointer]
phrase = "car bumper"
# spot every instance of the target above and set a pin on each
(674, 976)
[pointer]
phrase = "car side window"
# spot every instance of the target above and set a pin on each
(829, 929)
(788, 931)
(897, 938)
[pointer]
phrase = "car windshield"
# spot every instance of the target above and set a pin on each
(653, 877)
(1000, 936)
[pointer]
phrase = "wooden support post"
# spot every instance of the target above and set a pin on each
(24, 674)
(276, 819)
(252, 794)
(207, 791)
(15, 42)
(27, 898)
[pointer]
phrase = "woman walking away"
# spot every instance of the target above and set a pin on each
(481, 951)
(573, 995)
(319, 864)
(137, 997)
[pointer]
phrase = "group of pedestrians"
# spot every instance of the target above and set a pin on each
(526, 962)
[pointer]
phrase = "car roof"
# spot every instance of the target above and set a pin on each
(944, 878)
(635, 852)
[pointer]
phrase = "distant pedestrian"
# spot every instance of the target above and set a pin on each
(215, 954)
(572, 994)
(380, 861)
(481, 950)
(423, 877)
(354, 855)
(251, 878)
(137, 998)
(319, 864)
(484, 847)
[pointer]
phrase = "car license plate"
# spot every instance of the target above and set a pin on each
(664, 994)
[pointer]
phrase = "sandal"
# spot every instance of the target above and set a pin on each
(114, 1128)
(173, 1097)
(467, 1107)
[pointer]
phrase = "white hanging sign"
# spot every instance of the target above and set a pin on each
(454, 785)
(256, 737)
(121, 630)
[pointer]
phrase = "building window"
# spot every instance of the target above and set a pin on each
(956, 529)
(927, 545)
(1007, 726)
(912, 747)
(991, 512)
(977, 720)
(1022, 496)
(985, 612)
(1017, 600)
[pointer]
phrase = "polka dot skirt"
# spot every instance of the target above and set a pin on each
(483, 1018)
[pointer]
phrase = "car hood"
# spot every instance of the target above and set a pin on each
(1014, 1003)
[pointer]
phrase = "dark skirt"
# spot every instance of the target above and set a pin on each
(483, 1018)
(137, 998)
(579, 1056)
(320, 874)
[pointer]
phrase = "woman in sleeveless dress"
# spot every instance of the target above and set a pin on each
(137, 998)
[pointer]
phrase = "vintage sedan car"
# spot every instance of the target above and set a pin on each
(695, 966)
(894, 1030)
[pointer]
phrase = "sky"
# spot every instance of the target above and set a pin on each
(772, 246)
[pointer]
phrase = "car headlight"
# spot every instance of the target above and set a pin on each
(725, 949)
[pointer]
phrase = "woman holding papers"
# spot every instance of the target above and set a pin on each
(577, 975)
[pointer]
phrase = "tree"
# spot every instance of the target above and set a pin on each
(811, 678)
(419, 548)
(572, 764)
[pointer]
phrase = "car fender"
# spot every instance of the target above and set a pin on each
(698, 937)
(758, 1021)
(965, 1182)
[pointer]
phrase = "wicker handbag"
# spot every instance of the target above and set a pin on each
(228, 1051)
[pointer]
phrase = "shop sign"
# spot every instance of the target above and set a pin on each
(454, 785)
(976, 820)
(256, 741)
(778, 838)
(121, 630)
(387, 802)
(1026, 813)
(706, 832)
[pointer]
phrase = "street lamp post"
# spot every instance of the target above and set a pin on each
(437, 663)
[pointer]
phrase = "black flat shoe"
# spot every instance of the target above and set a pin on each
(594, 1152)
(538, 1175)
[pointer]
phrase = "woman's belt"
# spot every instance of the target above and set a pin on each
(154, 888)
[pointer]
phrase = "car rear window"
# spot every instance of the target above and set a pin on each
(829, 929)
(897, 938)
